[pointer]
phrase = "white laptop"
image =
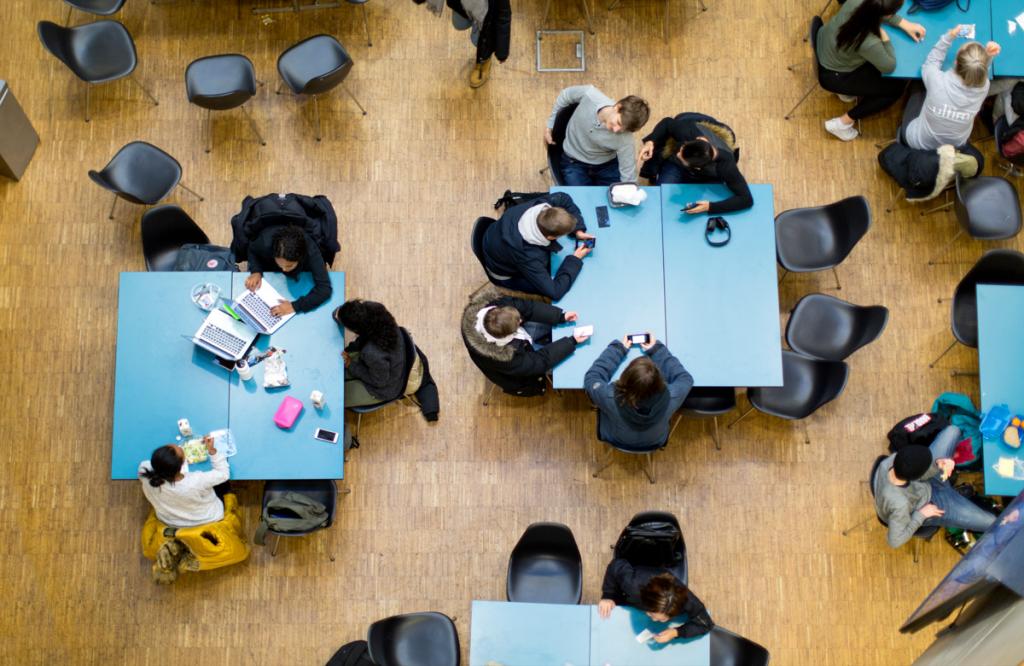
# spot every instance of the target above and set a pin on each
(224, 336)
(254, 308)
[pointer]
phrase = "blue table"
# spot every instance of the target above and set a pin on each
(910, 55)
(1010, 62)
(516, 634)
(621, 288)
(613, 641)
(513, 634)
(313, 343)
(1000, 326)
(161, 376)
(722, 303)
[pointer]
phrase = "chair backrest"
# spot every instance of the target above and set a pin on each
(57, 40)
(807, 385)
(165, 228)
(554, 539)
(995, 267)
(135, 169)
(987, 207)
(480, 228)
(324, 491)
(654, 539)
(830, 329)
(414, 639)
(225, 69)
(545, 566)
(558, 134)
(851, 219)
(729, 649)
(328, 80)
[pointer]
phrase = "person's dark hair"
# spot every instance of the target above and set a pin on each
(664, 594)
(503, 321)
(369, 320)
(634, 112)
(640, 381)
(865, 20)
(554, 221)
(164, 466)
(290, 243)
(697, 153)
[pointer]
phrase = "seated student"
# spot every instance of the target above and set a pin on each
(695, 148)
(493, 330)
(519, 246)
(660, 595)
(912, 490)
(598, 146)
(289, 250)
(954, 97)
(375, 360)
(854, 52)
(636, 409)
(181, 498)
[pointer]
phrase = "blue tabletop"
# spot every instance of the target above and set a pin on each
(160, 376)
(621, 287)
(1009, 32)
(722, 303)
(313, 343)
(613, 642)
(1000, 326)
(910, 55)
(513, 634)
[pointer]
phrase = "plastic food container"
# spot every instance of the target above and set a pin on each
(995, 422)
(205, 295)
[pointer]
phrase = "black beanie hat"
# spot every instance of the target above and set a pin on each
(912, 462)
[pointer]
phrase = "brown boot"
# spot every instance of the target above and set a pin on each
(481, 71)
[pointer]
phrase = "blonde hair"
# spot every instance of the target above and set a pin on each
(972, 64)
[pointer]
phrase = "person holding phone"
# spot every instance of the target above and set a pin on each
(659, 594)
(289, 250)
(912, 490)
(635, 410)
(181, 498)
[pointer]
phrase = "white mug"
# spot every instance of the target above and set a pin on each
(317, 398)
(184, 427)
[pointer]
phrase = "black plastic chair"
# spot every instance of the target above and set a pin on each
(94, 52)
(646, 451)
(314, 66)
(95, 7)
(924, 533)
(987, 208)
(813, 239)
(410, 360)
(651, 558)
(164, 230)
(830, 329)
(219, 83)
(807, 385)
(554, 150)
(140, 173)
(994, 267)
(414, 639)
(710, 401)
(480, 228)
(729, 649)
(324, 491)
(545, 566)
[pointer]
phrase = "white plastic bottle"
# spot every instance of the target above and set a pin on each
(244, 371)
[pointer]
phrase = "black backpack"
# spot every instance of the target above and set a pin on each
(355, 653)
(931, 5)
(919, 429)
(654, 544)
(510, 198)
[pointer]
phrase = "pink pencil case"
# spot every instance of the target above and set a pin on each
(287, 413)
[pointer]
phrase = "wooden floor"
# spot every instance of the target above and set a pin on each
(436, 509)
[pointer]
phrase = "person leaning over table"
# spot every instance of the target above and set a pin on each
(854, 52)
(375, 360)
(659, 594)
(181, 498)
(695, 148)
(289, 250)
(635, 410)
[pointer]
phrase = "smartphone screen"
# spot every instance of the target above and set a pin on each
(639, 338)
(325, 435)
(587, 242)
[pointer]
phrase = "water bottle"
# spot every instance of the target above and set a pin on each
(244, 371)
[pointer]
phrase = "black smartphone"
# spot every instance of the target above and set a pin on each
(602, 216)
(586, 242)
(639, 338)
(692, 204)
(325, 435)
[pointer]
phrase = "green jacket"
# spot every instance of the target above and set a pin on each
(873, 50)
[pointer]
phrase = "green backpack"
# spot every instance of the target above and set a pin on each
(961, 412)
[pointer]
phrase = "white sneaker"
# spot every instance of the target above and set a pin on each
(840, 130)
(849, 99)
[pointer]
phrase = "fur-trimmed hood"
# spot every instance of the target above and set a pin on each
(478, 300)
(925, 174)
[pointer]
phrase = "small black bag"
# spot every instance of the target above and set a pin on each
(356, 653)
(200, 257)
(654, 544)
(919, 429)
(931, 5)
(510, 198)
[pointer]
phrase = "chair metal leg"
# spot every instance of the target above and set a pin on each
(252, 124)
(547, 8)
(586, 14)
(649, 467)
(807, 434)
(112, 204)
(847, 531)
(607, 461)
(273, 549)
(359, 422)
(917, 548)
(703, 7)
(613, 5)
(316, 111)
(209, 130)
(674, 426)
(280, 87)
(821, 13)
(490, 390)
(784, 274)
(948, 204)
(148, 94)
(541, 172)
(190, 191)
(354, 98)
(951, 345)
(366, 26)
(88, 95)
(742, 416)
(67, 18)
(714, 435)
(835, 274)
(882, 144)
(945, 248)
(963, 373)
(665, 29)
(802, 100)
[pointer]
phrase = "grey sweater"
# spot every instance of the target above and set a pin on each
(947, 116)
(587, 139)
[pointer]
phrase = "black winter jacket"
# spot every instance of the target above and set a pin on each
(382, 372)
(924, 174)
(261, 260)
(622, 584)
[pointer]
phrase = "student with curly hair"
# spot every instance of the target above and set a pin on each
(375, 360)
(291, 251)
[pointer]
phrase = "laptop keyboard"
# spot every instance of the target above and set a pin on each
(260, 310)
(221, 339)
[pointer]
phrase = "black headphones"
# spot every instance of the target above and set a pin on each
(717, 223)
